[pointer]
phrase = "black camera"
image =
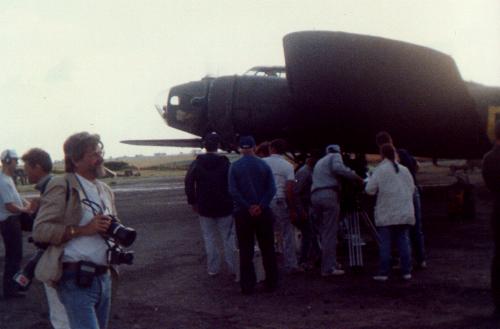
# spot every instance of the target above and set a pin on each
(123, 235)
(118, 256)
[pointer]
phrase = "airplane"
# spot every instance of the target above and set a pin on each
(342, 88)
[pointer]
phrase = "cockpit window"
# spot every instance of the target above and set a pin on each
(174, 100)
(267, 71)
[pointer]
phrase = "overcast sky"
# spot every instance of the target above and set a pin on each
(69, 66)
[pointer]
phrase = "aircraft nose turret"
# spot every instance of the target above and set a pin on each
(185, 107)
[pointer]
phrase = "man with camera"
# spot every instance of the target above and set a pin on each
(38, 166)
(11, 207)
(325, 200)
(74, 218)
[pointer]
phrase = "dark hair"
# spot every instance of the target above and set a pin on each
(75, 147)
(497, 130)
(262, 150)
(382, 138)
(37, 156)
(388, 152)
(279, 145)
(211, 142)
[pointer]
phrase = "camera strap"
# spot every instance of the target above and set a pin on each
(101, 208)
(95, 207)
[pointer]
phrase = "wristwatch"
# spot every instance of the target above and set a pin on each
(72, 231)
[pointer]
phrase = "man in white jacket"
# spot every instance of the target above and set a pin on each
(394, 212)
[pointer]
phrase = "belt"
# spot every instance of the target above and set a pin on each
(335, 188)
(74, 267)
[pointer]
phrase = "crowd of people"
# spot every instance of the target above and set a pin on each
(262, 196)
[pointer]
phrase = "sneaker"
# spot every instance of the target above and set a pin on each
(334, 271)
(407, 277)
(380, 278)
(212, 273)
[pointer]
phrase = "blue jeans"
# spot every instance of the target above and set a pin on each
(416, 232)
(399, 234)
(224, 227)
(87, 308)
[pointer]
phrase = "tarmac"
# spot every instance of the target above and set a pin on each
(168, 286)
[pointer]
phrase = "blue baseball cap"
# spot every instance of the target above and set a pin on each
(247, 142)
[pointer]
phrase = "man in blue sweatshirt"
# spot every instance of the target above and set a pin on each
(251, 184)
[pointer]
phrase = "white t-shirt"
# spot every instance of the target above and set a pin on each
(282, 172)
(91, 248)
(8, 194)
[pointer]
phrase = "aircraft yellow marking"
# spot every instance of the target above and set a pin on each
(493, 117)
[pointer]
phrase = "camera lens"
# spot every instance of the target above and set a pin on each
(124, 235)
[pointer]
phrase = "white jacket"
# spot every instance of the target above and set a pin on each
(394, 194)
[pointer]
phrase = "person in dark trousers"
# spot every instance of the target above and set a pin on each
(206, 186)
(38, 168)
(251, 184)
(309, 250)
(416, 231)
(11, 206)
(491, 176)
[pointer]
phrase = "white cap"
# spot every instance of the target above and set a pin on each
(12, 154)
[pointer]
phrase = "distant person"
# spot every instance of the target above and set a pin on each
(309, 249)
(325, 201)
(11, 206)
(491, 176)
(206, 186)
(393, 185)
(416, 231)
(74, 216)
(38, 166)
(282, 205)
(251, 185)
(262, 151)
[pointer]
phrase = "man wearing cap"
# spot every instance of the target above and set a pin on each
(251, 184)
(206, 186)
(11, 206)
(325, 202)
(282, 204)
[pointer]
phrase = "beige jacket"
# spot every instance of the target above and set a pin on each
(54, 215)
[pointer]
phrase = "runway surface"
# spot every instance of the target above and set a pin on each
(167, 287)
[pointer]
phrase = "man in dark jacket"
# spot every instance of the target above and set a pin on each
(491, 176)
(206, 186)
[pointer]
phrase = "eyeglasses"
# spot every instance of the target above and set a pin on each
(97, 153)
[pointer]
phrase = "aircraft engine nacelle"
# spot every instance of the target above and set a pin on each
(254, 105)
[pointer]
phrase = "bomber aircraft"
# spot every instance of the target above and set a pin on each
(342, 88)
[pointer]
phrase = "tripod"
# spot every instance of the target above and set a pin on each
(351, 222)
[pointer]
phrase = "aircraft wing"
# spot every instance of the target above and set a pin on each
(192, 142)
